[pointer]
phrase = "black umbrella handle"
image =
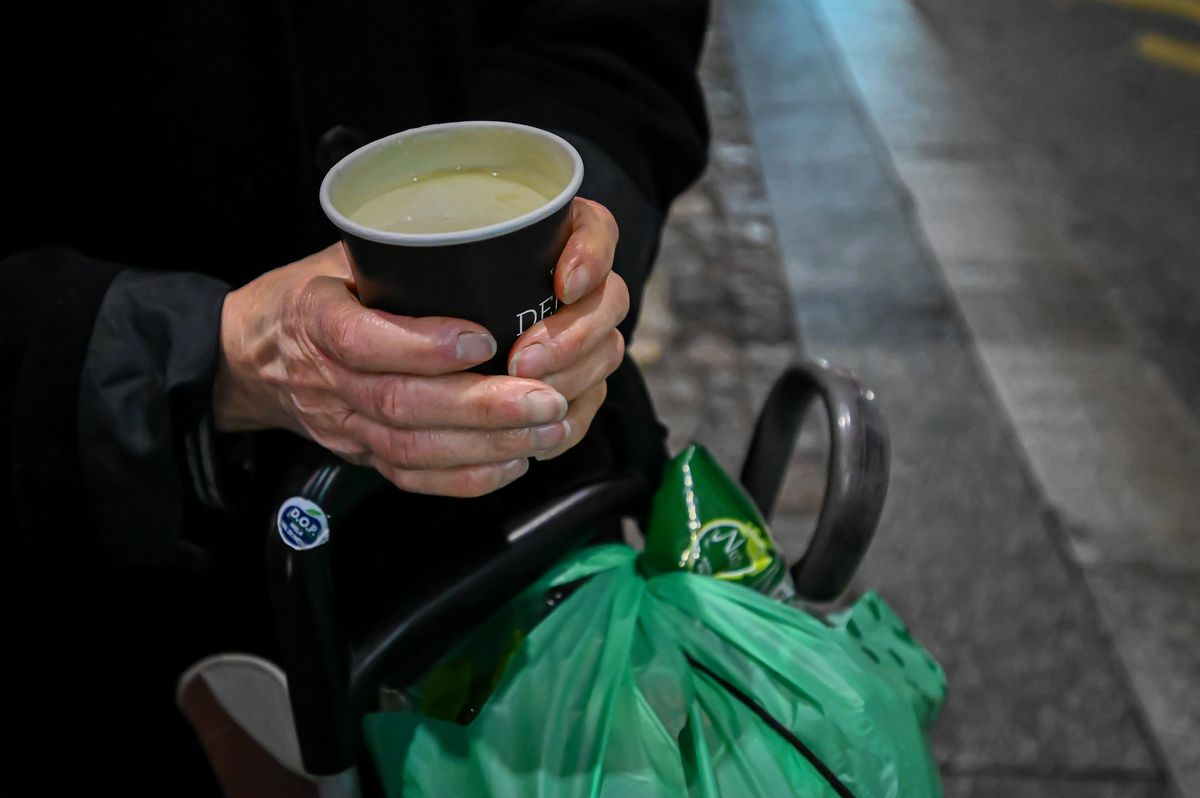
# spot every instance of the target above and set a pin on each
(859, 455)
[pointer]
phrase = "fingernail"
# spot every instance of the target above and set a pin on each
(544, 406)
(576, 284)
(552, 453)
(548, 436)
(529, 362)
(474, 347)
(515, 468)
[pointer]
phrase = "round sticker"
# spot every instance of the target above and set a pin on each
(302, 524)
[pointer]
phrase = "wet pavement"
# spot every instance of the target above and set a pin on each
(884, 193)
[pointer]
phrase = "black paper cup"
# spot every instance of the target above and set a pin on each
(500, 276)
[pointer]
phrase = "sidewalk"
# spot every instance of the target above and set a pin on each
(1042, 544)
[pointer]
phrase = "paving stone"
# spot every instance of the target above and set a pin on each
(980, 230)
(872, 249)
(903, 75)
(870, 315)
(813, 78)
(1023, 317)
(819, 131)
(677, 399)
(801, 177)
(1160, 624)
(1050, 786)
(1034, 276)
(1112, 447)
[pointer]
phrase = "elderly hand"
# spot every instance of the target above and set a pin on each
(299, 352)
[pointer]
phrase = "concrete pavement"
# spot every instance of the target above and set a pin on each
(1041, 532)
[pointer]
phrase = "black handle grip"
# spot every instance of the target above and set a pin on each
(859, 456)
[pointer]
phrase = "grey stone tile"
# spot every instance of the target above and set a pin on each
(752, 231)
(740, 193)
(1054, 786)
(1179, 358)
(804, 75)
(800, 181)
(677, 399)
(864, 14)
(689, 206)
(816, 79)
(737, 156)
(766, 362)
(876, 30)
(911, 76)
(1155, 623)
(808, 132)
(1035, 277)
(867, 315)
(759, 287)
(857, 249)
(1023, 317)
(943, 133)
(913, 96)
(656, 326)
(788, 29)
(1112, 446)
(985, 230)
(1002, 185)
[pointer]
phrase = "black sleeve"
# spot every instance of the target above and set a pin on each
(146, 443)
(107, 425)
(620, 73)
(52, 299)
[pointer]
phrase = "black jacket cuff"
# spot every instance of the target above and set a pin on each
(146, 443)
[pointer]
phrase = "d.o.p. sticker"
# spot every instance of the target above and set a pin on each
(302, 524)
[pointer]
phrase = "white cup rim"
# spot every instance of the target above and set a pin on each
(458, 236)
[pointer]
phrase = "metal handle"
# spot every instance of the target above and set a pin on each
(859, 456)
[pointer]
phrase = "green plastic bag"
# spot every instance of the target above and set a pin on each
(680, 685)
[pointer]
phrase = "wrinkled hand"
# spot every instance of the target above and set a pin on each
(299, 352)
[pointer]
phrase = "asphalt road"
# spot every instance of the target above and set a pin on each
(1109, 91)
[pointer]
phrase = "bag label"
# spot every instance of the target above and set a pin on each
(730, 548)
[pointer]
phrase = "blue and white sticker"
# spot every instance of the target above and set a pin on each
(302, 524)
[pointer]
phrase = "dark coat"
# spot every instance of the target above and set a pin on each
(151, 160)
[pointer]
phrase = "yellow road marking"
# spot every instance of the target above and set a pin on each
(1184, 9)
(1169, 52)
